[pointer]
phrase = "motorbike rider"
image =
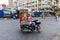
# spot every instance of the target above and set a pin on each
(34, 25)
(29, 18)
(30, 22)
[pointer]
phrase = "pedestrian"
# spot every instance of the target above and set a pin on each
(42, 16)
(17, 12)
(56, 18)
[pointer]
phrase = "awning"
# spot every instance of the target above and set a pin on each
(46, 11)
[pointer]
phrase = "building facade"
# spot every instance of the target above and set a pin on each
(34, 4)
(10, 2)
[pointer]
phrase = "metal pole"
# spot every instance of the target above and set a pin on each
(35, 5)
(41, 4)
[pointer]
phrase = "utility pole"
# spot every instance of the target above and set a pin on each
(37, 5)
(27, 3)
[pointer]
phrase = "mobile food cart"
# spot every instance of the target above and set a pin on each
(25, 25)
(23, 16)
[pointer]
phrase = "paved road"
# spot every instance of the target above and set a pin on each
(10, 30)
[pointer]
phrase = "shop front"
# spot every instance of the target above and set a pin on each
(47, 12)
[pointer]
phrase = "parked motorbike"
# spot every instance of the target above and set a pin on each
(15, 16)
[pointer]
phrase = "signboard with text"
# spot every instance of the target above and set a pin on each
(23, 10)
(3, 6)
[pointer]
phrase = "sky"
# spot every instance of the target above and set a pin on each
(4, 2)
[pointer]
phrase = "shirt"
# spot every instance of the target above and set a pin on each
(29, 19)
(21, 18)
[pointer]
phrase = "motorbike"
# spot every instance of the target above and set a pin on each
(35, 25)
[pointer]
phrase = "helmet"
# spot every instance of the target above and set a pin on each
(38, 22)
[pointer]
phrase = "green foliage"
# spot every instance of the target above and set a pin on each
(58, 14)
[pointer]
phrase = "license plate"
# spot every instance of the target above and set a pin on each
(26, 30)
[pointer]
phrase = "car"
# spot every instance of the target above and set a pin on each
(7, 13)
